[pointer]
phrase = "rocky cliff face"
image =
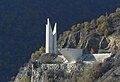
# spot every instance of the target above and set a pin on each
(99, 34)
(92, 36)
(112, 65)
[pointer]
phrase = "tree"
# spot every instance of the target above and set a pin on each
(102, 27)
(34, 56)
(25, 79)
(42, 49)
(86, 24)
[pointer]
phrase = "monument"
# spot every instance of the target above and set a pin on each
(51, 38)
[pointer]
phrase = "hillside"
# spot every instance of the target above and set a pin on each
(96, 36)
(102, 34)
(22, 25)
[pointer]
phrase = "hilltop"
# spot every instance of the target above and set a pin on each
(96, 36)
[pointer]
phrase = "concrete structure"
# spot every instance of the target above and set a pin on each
(51, 38)
(95, 57)
(68, 54)
(102, 56)
(72, 55)
(55, 39)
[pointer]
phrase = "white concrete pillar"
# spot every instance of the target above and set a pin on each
(55, 39)
(47, 39)
(51, 38)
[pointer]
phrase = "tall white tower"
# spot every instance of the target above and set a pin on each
(55, 39)
(48, 29)
(51, 38)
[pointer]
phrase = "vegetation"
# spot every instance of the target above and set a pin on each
(91, 73)
(86, 24)
(42, 49)
(23, 79)
(37, 54)
(116, 14)
(89, 36)
(102, 26)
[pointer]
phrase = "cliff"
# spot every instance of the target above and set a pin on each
(96, 36)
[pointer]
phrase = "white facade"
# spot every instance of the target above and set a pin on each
(55, 39)
(102, 56)
(51, 38)
(48, 37)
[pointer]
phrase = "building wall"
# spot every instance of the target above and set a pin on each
(102, 56)
(71, 54)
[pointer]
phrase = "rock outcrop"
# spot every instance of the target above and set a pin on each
(99, 34)
(111, 71)
(92, 36)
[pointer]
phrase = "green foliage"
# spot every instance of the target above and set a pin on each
(76, 27)
(34, 56)
(37, 54)
(102, 27)
(47, 58)
(86, 24)
(63, 38)
(116, 14)
(42, 49)
(25, 79)
(91, 73)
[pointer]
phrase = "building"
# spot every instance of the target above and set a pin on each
(51, 44)
(70, 55)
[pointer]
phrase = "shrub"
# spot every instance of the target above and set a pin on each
(34, 56)
(42, 49)
(116, 14)
(37, 54)
(25, 79)
(86, 24)
(102, 27)
(91, 73)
